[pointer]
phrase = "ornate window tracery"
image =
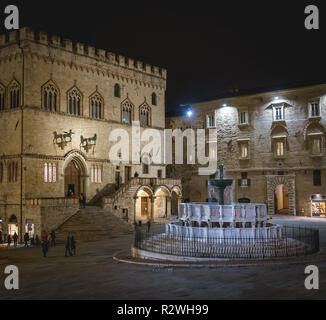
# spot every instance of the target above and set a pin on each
(75, 102)
(14, 94)
(126, 112)
(50, 97)
(145, 115)
(96, 106)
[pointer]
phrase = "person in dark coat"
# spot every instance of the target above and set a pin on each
(15, 239)
(26, 239)
(32, 241)
(68, 246)
(53, 243)
(45, 247)
(9, 240)
(148, 226)
(73, 245)
(37, 241)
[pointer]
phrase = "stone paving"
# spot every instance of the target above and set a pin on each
(93, 274)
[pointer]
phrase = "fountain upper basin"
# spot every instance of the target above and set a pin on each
(220, 183)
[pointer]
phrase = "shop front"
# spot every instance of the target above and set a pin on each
(318, 205)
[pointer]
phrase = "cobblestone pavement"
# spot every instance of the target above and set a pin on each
(93, 274)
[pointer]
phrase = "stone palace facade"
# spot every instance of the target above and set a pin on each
(271, 143)
(59, 101)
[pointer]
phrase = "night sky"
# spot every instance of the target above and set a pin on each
(207, 47)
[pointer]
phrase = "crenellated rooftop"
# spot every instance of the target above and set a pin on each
(54, 41)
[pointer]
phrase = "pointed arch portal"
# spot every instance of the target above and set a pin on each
(75, 174)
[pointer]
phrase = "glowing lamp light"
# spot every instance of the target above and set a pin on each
(224, 105)
(276, 98)
(189, 113)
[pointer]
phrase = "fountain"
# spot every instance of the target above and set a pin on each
(220, 184)
(215, 230)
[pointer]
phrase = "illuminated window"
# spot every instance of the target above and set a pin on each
(279, 148)
(244, 150)
(316, 146)
(50, 96)
(50, 172)
(96, 174)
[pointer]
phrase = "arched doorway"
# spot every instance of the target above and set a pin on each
(281, 199)
(162, 204)
(175, 201)
(75, 177)
(143, 206)
(289, 182)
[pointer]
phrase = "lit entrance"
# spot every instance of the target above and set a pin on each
(143, 205)
(13, 225)
(74, 178)
(281, 200)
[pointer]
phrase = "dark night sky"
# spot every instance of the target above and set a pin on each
(207, 47)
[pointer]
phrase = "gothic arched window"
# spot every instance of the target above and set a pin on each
(144, 115)
(96, 106)
(75, 102)
(127, 112)
(50, 97)
(12, 171)
(117, 91)
(154, 99)
(2, 97)
(14, 94)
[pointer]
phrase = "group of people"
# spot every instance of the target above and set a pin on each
(82, 198)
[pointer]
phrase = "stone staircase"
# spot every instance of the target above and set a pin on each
(93, 224)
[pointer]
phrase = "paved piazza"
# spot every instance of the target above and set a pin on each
(93, 274)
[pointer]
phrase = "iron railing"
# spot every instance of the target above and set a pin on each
(295, 241)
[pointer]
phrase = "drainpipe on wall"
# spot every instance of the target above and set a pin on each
(22, 142)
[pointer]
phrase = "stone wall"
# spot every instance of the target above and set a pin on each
(298, 160)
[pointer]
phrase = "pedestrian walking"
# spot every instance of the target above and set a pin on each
(68, 247)
(148, 226)
(44, 236)
(82, 201)
(45, 247)
(9, 240)
(32, 241)
(26, 239)
(37, 241)
(53, 243)
(15, 239)
(73, 245)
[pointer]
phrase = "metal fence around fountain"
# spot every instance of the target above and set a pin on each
(296, 241)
